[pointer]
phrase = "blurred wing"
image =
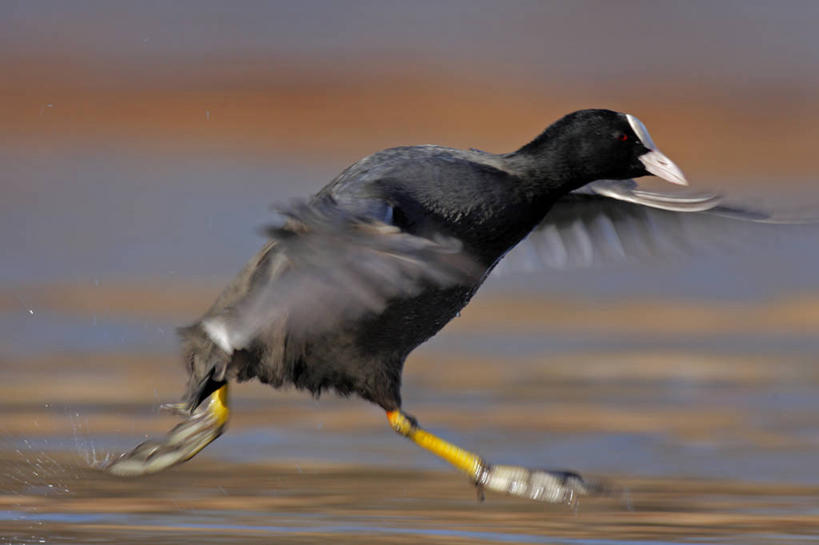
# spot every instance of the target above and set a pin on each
(325, 265)
(616, 220)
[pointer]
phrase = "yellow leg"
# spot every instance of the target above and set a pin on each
(464, 460)
(182, 443)
(541, 485)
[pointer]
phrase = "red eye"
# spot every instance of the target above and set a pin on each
(623, 137)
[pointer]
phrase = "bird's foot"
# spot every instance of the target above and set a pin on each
(536, 484)
(182, 443)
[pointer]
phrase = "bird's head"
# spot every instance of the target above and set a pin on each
(598, 144)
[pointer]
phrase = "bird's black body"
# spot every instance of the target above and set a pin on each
(379, 260)
(487, 202)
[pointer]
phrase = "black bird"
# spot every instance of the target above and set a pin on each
(378, 261)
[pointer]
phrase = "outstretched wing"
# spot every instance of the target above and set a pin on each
(324, 265)
(616, 220)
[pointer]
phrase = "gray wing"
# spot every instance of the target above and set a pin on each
(324, 265)
(616, 220)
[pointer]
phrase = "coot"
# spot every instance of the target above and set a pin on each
(374, 264)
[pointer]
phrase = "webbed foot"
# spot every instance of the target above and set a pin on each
(183, 442)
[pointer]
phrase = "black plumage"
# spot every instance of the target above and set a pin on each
(385, 255)
(378, 261)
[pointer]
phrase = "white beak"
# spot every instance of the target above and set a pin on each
(663, 167)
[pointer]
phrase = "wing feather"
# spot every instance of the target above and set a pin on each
(617, 220)
(325, 265)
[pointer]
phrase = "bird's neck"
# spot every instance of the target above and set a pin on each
(542, 172)
(550, 164)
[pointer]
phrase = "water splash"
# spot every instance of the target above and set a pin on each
(84, 445)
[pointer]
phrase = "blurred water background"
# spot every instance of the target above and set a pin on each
(141, 145)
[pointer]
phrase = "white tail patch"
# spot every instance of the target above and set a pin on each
(218, 333)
